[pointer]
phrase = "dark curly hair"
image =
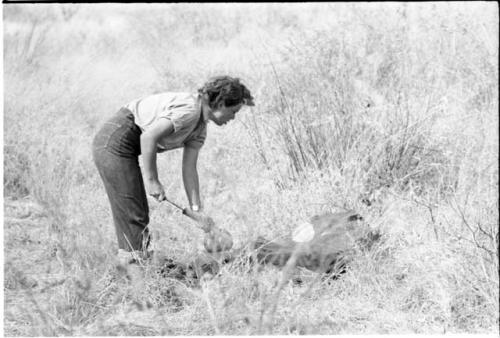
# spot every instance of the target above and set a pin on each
(226, 89)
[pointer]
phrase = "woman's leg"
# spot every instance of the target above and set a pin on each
(116, 148)
(125, 189)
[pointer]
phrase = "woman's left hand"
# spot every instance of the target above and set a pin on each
(206, 221)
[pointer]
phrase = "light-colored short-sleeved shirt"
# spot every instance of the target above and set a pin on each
(190, 127)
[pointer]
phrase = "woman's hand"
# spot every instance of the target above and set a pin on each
(206, 221)
(155, 189)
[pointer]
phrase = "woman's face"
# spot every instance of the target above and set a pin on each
(222, 114)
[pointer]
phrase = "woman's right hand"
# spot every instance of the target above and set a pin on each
(155, 189)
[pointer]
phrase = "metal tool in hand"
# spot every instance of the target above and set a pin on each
(216, 240)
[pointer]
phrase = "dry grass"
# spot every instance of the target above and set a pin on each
(390, 110)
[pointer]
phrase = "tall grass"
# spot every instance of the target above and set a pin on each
(390, 110)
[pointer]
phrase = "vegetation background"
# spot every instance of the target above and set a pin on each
(390, 109)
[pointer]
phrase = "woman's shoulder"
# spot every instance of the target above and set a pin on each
(173, 100)
(181, 108)
(170, 97)
(181, 98)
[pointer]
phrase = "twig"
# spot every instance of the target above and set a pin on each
(285, 276)
(210, 309)
(466, 223)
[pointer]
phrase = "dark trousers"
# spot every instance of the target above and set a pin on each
(116, 148)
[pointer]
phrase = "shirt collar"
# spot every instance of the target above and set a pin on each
(205, 116)
(198, 107)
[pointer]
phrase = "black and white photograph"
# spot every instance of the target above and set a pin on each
(250, 169)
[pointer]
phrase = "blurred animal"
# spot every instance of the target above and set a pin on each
(336, 238)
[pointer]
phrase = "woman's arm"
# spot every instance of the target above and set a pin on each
(149, 141)
(191, 184)
(190, 177)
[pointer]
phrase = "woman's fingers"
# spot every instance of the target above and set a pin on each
(209, 221)
(159, 196)
(156, 191)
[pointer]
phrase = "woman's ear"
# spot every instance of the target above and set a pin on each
(220, 105)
